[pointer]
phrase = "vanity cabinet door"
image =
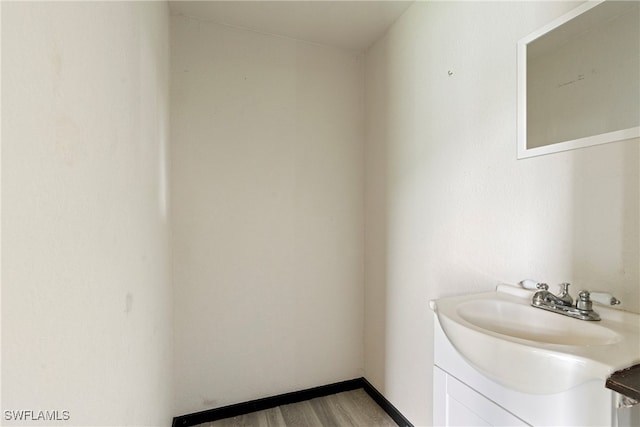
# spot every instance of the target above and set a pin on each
(456, 404)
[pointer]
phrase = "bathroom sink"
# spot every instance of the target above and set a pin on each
(520, 321)
(537, 351)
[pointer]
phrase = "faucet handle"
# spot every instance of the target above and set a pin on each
(533, 285)
(604, 298)
(584, 301)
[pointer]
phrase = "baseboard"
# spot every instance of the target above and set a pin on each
(288, 398)
(393, 412)
(265, 403)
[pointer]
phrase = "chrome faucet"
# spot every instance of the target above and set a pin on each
(564, 294)
(563, 303)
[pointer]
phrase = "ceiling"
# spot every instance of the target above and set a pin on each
(346, 24)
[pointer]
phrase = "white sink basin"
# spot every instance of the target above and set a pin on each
(520, 321)
(533, 350)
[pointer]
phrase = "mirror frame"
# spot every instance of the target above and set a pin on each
(522, 150)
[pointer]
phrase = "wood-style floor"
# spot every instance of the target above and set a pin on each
(350, 408)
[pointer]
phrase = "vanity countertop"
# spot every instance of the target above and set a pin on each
(626, 382)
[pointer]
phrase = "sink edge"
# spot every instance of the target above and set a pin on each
(511, 356)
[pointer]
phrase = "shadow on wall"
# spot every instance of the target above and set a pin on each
(376, 218)
(605, 192)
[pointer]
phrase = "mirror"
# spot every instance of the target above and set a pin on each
(578, 79)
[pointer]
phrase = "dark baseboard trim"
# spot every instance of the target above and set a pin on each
(265, 403)
(288, 398)
(393, 412)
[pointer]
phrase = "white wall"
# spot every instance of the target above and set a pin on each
(450, 210)
(86, 292)
(267, 168)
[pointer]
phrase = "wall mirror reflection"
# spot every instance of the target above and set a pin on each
(579, 79)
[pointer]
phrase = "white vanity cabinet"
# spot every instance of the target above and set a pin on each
(456, 404)
(463, 396)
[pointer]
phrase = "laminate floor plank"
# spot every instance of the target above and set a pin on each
(366, 410)
(300, 414)
(331, 411)
(273, 417)
(347, 409)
